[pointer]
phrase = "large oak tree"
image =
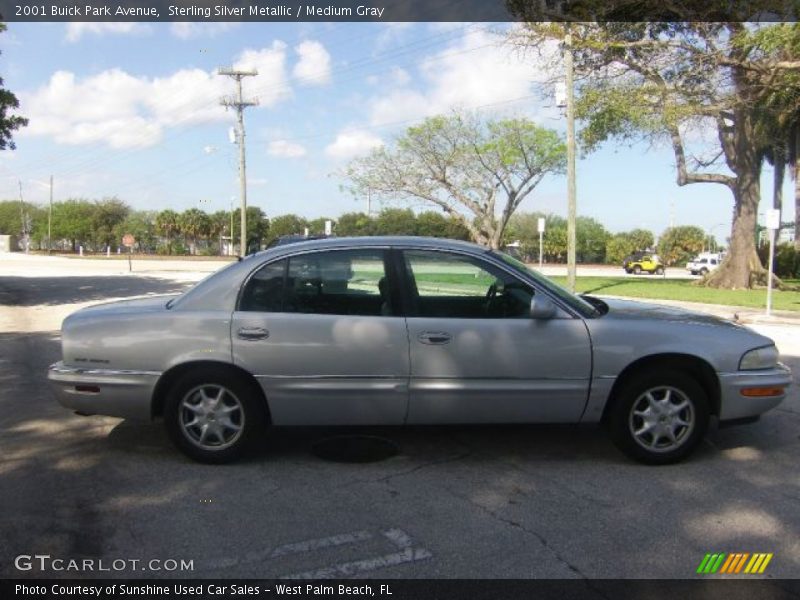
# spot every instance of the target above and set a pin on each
(670, 81)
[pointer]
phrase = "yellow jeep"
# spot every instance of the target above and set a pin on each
(640, 261)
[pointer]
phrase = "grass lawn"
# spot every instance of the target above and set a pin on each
(684, 290)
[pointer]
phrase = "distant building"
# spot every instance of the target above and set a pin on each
(8, 243)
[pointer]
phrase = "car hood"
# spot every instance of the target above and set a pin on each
(619, 309)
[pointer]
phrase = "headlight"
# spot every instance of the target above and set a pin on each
(759, 358)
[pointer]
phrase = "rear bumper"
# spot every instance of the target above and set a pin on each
(734, 405)
(114, 393)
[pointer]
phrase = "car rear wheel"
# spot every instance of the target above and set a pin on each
(637, 269)
(659, 418)
(212, 416)
(703, 271)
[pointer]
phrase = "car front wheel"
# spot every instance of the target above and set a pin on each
(212, 416)
(659, 418)
(659, 270)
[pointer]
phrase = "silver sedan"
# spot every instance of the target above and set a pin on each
(392, 331)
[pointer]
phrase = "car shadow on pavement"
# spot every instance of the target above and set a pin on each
(50, 291)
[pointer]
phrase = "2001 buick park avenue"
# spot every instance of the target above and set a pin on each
(408, 330)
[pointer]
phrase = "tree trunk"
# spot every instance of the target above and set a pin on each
(742, 268)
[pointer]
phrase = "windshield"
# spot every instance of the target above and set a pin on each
(574, 301)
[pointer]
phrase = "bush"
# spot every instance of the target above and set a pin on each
(787, 260)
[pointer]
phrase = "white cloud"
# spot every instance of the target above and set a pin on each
(477, 70)
(314, 66)
(122, 110)
(286, 149)
(349, 144)
(76, 30)
(186, 30)
(272, 84)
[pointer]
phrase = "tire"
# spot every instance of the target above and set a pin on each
(230, 409)
(651, 407)
(659, 270)
(637, 270)
(703, 272)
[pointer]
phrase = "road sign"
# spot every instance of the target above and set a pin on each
(773, 219)
(541, 224)
(128, 240)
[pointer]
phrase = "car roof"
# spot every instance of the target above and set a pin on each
(398, 241)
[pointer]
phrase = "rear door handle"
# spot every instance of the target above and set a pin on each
(252, 333)
(434, 337)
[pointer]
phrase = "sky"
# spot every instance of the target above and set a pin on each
(133, 110)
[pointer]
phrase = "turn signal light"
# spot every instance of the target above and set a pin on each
(761, 392)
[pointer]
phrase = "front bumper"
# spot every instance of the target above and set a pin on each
(114, 393)
(734, 405)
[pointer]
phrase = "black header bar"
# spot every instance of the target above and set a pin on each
(398, 10)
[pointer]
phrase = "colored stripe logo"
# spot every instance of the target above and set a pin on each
(734, 563)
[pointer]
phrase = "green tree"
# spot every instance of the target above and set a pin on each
(524, 228)
(656, 81)
(590, 240)
(396, 221)
(167, 224)
(355, 224)
(433, 224)
(286, 225)
(476, 172)
(9, 123)
(10, 218)
(106, 217)
(220, 225)
(194, 224)
(258, 227)
(72, 220)
(317, 226)
(680, 244)
(622, 244)
(141, 224)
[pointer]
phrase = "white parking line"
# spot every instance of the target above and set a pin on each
(318, 544)
(398, 537)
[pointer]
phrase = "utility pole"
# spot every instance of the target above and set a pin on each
(50, 220)
(571, 202)
(240, 104)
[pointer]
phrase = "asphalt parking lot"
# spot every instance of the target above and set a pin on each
(458, 502)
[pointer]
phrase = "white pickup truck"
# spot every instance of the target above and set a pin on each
(704, 263)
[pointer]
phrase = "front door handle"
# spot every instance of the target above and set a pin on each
(434, 337)
(252, 333)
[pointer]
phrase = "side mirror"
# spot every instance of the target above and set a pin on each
(542, 307)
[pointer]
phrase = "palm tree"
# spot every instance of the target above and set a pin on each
(194, 223)
(220, 223)
(166, 225)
